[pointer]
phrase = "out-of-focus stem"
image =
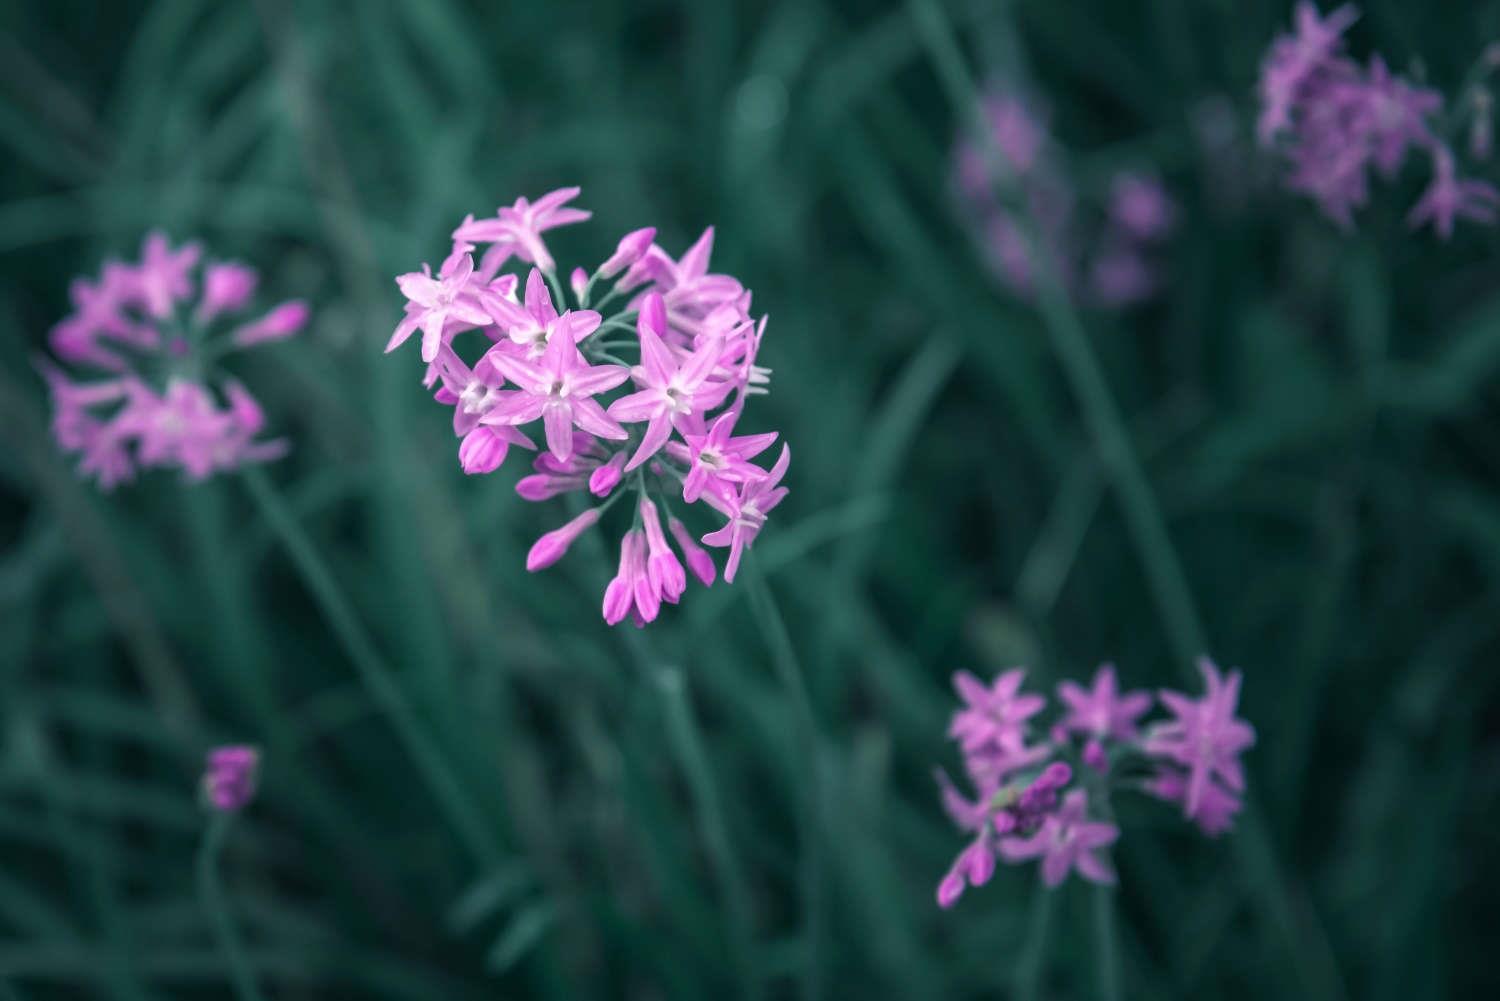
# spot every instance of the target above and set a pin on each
(1033, 962)
(789, 670)
(1106, 951)
(241, 976)
(373, 673)
(687, 741)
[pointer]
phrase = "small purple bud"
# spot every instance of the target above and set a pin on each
(578, 281)
(632, 247)
(698, 560)
(230, 777)
(542, 486)
(482, 451)
(1094, 756)
(280, 323)
(605, 478)
(554, 545)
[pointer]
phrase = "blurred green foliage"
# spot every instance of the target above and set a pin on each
(1315, 413)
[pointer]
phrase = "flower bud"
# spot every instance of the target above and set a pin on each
(632, 248)
(554, 545)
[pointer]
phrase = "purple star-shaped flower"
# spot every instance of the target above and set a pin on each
(559, 388)
(1206, 738)
(1102, 710)
(1067, 840)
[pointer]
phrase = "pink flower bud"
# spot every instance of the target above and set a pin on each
(698, 560)
(662, 568)
(543, 486)
(632, 247)
(578, 281)
(554, 545)
(226, 286)
(604, 479)
(230, 777)
(280, 323)
(653, 315)
(482, 450)
(1094, 756)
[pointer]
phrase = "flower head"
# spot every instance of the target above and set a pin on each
(681, 334)
(157, 408)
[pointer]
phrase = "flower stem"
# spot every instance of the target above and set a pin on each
(687, 741)
(212, 896)
(789, 670)
(1106, 950)
(1033, 961)
(373, 673)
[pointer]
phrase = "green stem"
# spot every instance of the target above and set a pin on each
(1106, 950)
(809, 751)
(1165, 577)
(1033, 961)
(212, 896)
(687, 741)
(373, 673)
(557, 289)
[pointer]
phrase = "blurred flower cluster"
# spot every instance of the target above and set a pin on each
(682, 336)
(1027, 804)
(151, 332)
(1103, 256)
(1336, 121)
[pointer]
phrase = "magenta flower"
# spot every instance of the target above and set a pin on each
(681, 333)
(437, 301)
(1216, 805)
(531, 325)
(1033, 214)
(518, 229)
(1340, 121)
(1206, 738)
(230, 777)
(1067, 841)
(164, 276)
(994, 716)
(559, 389)
(1294, 61)
(136, 321)
(746, 511)
(1103, 711)
(1449, 198)
(1023, 808)
(1140, 206)
(672, 389)
(717, 460)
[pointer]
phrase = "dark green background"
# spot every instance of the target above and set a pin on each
(1315, 413)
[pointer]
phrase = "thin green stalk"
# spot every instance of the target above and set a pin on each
(1033, 962)
(809, 751)
(373, 673)
(687, 741)
(241, 976)
(1316, 966)
(1106, 948)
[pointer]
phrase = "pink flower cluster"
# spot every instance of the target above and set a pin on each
(1336, 121)
(681, 336)
(1122, 233)
(151, 332)
(1024, 809)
